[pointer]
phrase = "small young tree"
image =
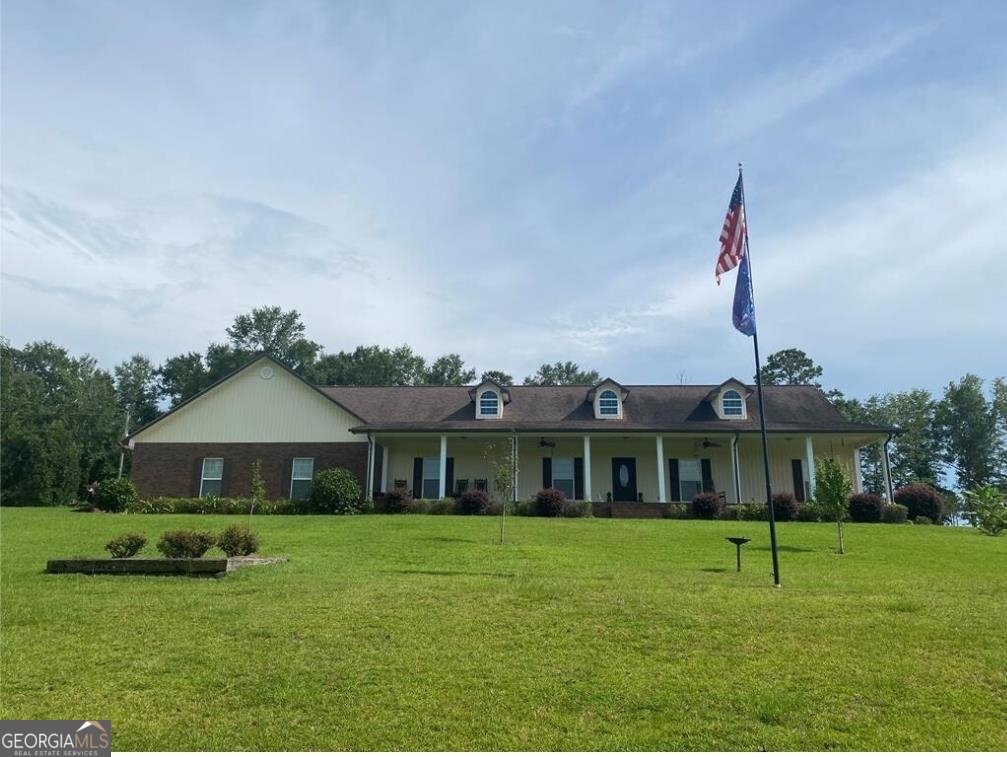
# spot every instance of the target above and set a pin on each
(501, 457)
(832, 490)
(987, 509)
(258, 488)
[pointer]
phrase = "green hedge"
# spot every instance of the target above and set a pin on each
(220, 506)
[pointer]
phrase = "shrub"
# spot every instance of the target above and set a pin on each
(126, 545)
(524, 507)
(731, 512)
(219, 506)
(548, 503)
(921, 500)
(785, 506)
(754, 511)
(185, 543)
(987, 509)
(706, 505)
(866, 508)
(397, 501)
(576, 509)
(472, 502)
(809, 512)
(335, 491)
(894, 514)
(237, 540)
(922, 520)
(116, 495)
(676, 511)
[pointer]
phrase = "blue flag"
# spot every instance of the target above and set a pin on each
(744, 302)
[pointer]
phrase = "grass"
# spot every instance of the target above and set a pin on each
(422, 633)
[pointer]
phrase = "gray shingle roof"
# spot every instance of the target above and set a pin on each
(566, 408)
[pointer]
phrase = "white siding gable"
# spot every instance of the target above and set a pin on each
(249, 407)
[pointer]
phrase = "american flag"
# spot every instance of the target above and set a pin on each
(732, 236)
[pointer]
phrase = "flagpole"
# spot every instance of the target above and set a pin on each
(762, 408)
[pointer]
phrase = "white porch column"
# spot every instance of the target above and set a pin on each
(858, 471)
(886, 467)
(515, 469)
(587, 470)
(809, 453)
(662, 484)
(369, 488)
(442, 490)
(384, 468)
(735, 469)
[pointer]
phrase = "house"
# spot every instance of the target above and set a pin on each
(605, 443)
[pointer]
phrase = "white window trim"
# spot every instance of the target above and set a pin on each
(598, 415)
(203, 477)
(293, 465)
(479, 404)
(720, 406)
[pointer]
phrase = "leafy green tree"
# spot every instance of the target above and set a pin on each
(832, 493)
(971, 428)
(562, 374)
(790, 366)
(182, 376)
(224, 359)
(136, 390)
(501, 377)
(276, 332)
(448, 370)
(369, 366)
(986, 509)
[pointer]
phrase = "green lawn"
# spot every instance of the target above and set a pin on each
(423, 633)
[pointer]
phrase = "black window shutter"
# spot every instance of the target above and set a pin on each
(198, 476)
(797, 468)
(578, 478)
(417, 477)
(546, 472)
(287, 477)
(676, 485)
(449, 477)
(707, 475)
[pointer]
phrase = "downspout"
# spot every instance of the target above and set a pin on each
(887, 466)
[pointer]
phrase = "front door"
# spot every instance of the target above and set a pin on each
(624, 479)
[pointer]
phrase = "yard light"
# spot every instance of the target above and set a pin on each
(737, 541)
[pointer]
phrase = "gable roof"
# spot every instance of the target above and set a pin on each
(802, 409)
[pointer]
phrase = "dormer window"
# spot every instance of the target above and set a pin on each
(489, 404)
(607, 399)
(728, 400)
(732, 406)
(608, 404)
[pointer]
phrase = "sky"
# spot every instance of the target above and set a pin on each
(516, 182)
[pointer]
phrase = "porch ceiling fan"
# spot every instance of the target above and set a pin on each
(706, 444)
(543, 442)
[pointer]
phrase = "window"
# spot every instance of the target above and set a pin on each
(608, 403)
(690, 479)
(732, 404)
(562, 475)
(301, 472)
(212, 480)
(489, 405)
(431, 487)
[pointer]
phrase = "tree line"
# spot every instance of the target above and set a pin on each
(62, 417)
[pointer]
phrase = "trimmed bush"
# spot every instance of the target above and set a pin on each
(524, 507)
(549, 503)
(922, 520)
(185, 543)
(895, 514)
(576, 509)
(675, 511)
(237, 540)
(472, 502)
(785, 506)
(866, 508)
(706, 505)
(754, 511)
(115, 495)
(126, 545)
(921, 500)
(809, 512)
(396, 501)
(219, 506)
(335, 491)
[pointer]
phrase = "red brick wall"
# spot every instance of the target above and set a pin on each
(174, 470)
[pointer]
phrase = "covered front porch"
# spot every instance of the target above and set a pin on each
(600, 468)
